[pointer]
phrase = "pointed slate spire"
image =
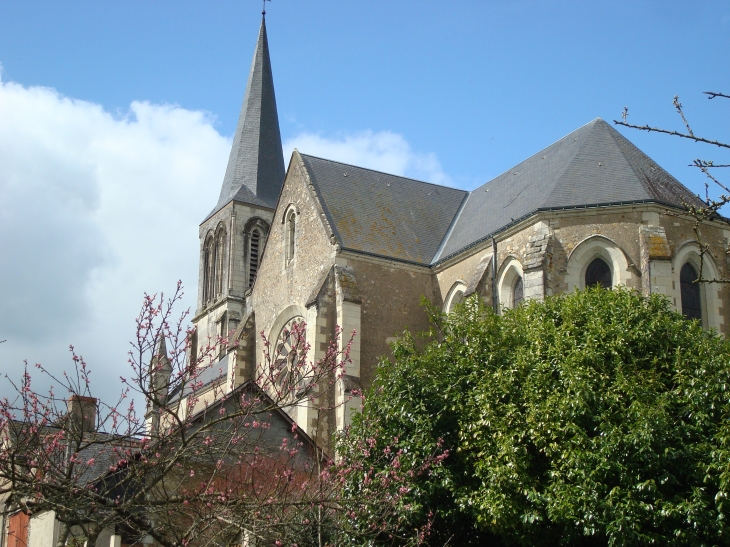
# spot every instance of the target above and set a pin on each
(255, 171)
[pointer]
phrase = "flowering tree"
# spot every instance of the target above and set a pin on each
(209, 463)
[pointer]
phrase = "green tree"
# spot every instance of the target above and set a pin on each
(596, 418)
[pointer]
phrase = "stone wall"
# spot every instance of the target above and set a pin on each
(391, 293)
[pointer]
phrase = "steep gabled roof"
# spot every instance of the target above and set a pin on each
(593, 165)
(380, 214)
(255, 169)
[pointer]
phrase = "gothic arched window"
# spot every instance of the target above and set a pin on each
(455, 296)
(598, 273)
(291, 228)
(254, 255)
(518, 293)
(218, 262)
(208, 261)
(691, 297)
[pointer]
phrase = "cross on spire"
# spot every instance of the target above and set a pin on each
(263, 10)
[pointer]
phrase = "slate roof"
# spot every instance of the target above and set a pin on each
(381, 214)
(255, 171)
(413, 221)
(593, 165)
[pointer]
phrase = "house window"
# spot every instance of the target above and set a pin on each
(518, 293)
(254, 255)
(598, 273)
(691, 297)
(291, 226)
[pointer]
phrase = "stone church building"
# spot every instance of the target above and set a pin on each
(332, 244)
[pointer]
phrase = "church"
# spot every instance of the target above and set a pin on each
(333, 245)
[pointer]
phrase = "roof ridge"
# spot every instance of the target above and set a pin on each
(383, 172)
(436, 256)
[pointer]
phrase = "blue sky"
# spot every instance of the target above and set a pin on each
(480, 84)
(116, 118)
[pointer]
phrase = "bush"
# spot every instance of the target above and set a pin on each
(600, 417)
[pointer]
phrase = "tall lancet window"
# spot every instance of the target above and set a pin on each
(691, 297)
(208, 274)
(291, 229)
(518, 293)
(254, 256)
(219, 262)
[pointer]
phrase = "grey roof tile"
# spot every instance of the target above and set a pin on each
(255, 170)
(382, 214)
(593, 165)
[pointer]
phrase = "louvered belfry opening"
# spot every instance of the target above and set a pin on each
(254, 256)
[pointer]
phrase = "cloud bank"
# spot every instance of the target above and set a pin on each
(383, 151)
(97, 208)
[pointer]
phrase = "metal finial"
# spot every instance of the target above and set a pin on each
(263, 11)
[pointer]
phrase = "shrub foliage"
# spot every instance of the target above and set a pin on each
(596, 418)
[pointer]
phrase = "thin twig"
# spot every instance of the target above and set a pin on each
(675, 133)
(678, 106)
(712, 95)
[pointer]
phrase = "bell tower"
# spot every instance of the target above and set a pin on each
(233, 235)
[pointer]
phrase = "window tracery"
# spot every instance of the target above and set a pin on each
(290, 353)
(598, 273)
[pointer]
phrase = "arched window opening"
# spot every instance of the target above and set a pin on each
(598, 273)
(455, 296)
(518, 292)
(691, 297)
(208, 262)
(291, 225)
(254, 256)
(219, 264)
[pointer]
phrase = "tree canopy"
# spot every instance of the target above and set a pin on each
(595, 418)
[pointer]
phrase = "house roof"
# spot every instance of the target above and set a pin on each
(593, 165)
(255, 170)
(381, 214)
(413, 221)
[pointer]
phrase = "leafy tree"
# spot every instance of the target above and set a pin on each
(595, 418)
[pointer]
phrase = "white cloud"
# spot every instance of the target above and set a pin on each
(95, 210)
(383, 151)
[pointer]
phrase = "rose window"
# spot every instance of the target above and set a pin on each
(290, 351)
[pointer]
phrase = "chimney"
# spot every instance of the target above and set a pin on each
(82, 413)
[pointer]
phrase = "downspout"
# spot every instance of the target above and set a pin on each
(495, 296)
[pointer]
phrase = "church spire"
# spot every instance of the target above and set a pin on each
(255, 171)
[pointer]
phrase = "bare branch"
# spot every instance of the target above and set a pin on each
(674, 133)
(712, 95)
